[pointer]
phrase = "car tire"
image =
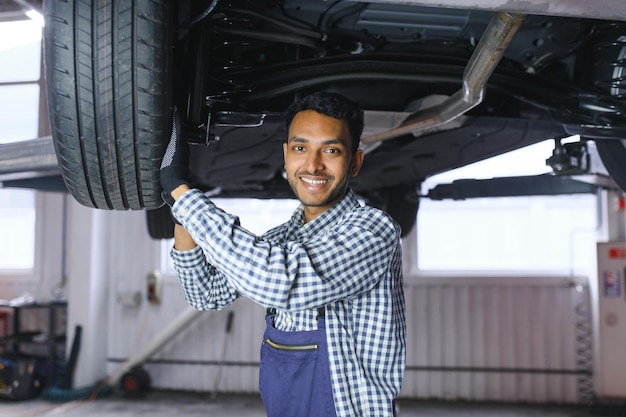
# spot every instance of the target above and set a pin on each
(108, 86)
(160, 223)
(401, 202)
(613, 156)
(609, 75)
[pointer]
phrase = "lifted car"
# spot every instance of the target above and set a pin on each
(441, 86)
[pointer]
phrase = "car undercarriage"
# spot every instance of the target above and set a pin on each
(442, 86)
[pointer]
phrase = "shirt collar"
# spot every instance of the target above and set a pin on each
(329, 217)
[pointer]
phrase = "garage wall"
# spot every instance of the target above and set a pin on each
(497, 339)
(480, 341)
(203, 357)
(493, 339)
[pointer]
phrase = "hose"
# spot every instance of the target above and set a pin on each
(56, 393)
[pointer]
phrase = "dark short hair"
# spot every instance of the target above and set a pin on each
(333, 105)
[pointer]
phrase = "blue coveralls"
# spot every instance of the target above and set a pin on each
(294, 375)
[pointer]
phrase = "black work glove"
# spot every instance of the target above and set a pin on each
(175, 164)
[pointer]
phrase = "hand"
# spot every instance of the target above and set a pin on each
(175, 164)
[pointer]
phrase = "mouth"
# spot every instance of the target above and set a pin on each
(314, 181)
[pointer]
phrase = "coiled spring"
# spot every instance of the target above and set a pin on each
(613, 70)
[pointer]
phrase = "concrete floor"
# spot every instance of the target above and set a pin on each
(168, 404)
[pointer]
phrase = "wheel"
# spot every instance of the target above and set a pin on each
(401, 202)
(108, 86)
(160, 223)
(135, 382)
(613, 156)
(402, 206)
(609, 75)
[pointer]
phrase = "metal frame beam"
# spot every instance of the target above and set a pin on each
(592, 9)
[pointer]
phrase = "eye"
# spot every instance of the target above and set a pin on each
(298, 148)
(333, 150)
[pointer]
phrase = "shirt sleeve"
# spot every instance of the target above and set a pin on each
(342, 263)
(204, 287)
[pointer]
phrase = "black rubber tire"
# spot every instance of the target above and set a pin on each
(606, 67)
(136, 382)
(613, 156)
(160, 223)
(402, 206)
(108, 86)
(401, 202)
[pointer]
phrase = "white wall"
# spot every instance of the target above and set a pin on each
(110, 253)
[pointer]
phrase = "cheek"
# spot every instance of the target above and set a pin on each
(289, 165)
(351, 169)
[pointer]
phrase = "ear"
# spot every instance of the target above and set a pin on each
(357, 161)
(284, 151)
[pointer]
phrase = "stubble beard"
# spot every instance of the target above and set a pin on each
(335, 194)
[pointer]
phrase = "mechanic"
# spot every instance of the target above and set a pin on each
(330, 277)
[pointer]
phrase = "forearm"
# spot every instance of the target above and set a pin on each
(179, 191)
(203, 286)
(182, 239)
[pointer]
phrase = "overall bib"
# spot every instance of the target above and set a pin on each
(294, 376)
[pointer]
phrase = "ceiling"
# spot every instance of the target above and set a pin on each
(16, 9)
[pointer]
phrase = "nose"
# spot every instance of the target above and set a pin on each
(314, 162)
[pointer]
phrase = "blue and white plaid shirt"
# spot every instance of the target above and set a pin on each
(348, 260)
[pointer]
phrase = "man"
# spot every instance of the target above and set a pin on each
(331, 277)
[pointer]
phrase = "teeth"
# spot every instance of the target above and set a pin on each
(313, 182)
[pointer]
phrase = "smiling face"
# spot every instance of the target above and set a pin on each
(319, 161)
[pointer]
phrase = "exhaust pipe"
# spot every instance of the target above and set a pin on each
(493, 43)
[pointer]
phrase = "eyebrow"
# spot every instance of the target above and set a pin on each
(326, 142)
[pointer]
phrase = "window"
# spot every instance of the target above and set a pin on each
(547, 234)
(542, 234)
(19, 112)
(20, 51)
(20, 74)
(17, 222)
